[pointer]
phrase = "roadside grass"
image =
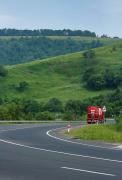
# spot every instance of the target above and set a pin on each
(105, 133)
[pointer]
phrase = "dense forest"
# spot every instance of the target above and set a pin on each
(46, 32)
(24, 49)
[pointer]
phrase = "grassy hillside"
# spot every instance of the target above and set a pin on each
(59, 77)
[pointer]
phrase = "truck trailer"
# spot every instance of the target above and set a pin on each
(95, 114)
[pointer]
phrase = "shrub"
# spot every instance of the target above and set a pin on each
(22, 86)
(3, 71)
(44, 116)
(89, 54)
(73, 108)
(67, 116)
(96, 82)
(54, 105)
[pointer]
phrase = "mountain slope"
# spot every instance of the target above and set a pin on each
(15, 50)
(59, 76)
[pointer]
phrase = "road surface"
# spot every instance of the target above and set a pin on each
(34, 152)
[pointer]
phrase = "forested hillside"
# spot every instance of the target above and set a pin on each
(17, 49)
(20, 50)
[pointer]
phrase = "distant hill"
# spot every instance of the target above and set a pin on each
(60, 76)
(18, 49)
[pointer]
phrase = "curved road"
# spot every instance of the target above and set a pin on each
(28, 152)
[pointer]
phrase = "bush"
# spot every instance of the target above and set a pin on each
(54, 105)
(44, 116)
(3, 71)
(96, 82)
(89, 54)
(104, 79)
(22, 86)
(73, 109)
(4, 113)
(31, 106)
(67, 116)
(119, 126)
(119, 123)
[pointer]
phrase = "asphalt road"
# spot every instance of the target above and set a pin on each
(28, 153)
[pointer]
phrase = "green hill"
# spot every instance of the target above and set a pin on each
(59, 76)
(18, 49)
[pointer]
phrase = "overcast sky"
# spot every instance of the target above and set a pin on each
(101, 16)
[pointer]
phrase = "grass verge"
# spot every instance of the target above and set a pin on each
(105, 133)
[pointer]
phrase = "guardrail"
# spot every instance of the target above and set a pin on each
(42, 121)
(108, 121)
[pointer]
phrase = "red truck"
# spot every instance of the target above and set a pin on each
(95, 115)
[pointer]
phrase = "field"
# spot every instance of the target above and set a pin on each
(59, 76)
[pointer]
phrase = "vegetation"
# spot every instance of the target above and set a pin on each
(73, 109)
(100, 78)
(62, 77)
(20, 50)
(107, 133)
(90, 54)
(3, 71)
(22, 86)
(45, 32)
(19, 109)
(58, 88)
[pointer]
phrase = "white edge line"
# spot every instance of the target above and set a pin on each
(83, 170)
(120, 147)
(84, 144)
(53, 151)
(58, 152)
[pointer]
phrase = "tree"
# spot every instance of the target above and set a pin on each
(31, 106)
(73, 107)
(88, 72)
(112, 79)
(54, 105)
(96, 82)
(20, 50)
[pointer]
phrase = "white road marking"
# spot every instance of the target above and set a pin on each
(58, 152)
(53, 151)
(84, 144)
(83, 170)
(119, 147)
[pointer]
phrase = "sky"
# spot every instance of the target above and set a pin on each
(100, 16)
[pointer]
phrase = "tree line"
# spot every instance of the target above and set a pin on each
(46, 32)
(30, 109)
